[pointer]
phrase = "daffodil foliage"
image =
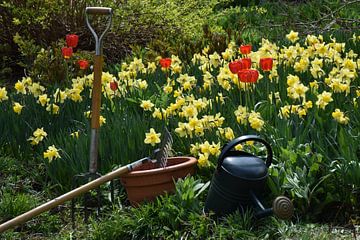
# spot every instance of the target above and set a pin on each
(310, 96)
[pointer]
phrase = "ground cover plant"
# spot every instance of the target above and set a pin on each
(297, 88)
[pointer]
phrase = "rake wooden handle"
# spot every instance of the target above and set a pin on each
(98, 10)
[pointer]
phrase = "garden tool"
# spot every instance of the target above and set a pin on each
(161, 154)
(239, 179)
(95, 109)
(97, 179)
(96, 91)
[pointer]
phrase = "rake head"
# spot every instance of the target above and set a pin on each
(163, 153)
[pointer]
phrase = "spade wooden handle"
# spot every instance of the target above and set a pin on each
(98, 10)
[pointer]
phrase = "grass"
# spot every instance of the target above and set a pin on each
(161, 218)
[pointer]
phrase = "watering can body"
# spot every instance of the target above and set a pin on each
(239, 180)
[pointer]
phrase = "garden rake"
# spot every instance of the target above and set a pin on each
(166, 144)
(95, 108)
(161, 158)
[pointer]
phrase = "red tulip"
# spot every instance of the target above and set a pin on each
(165, 62)
(248, 75)
(83, 64)
(266, 64)
(113, 85)
(245, 49)
(67, 52)
(72, 40)
(246, 62)
(236, 66)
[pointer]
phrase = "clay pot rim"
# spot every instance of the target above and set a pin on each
(189, 161)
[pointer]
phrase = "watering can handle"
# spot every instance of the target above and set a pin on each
(242, 139)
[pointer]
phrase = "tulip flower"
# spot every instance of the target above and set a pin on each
(236, 66)
(248, 75)
(72, 40)
(246, 62)
(245, 49)
(165, 62)
(266, 64)
(113, 85)
(67, 52)
(83, 64)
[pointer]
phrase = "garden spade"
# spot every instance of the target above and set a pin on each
(96, 91)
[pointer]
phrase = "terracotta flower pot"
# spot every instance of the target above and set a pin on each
(149, 180)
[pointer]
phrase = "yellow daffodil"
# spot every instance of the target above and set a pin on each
(189, 111)
(340, 117)
(314, 85)
(229, 133)
(3, 94)
(228, 54)
(208, 80)
(194, 149)
(152, 137)
(215, 149)
(255, 121)
(176, 68)
(157, 114)
(43, 99)
(20, 87)
(38, 135)
(51, 153)
(168, 88)
(358, 92)
(308, 104)
(205, 147)
(302, 65)
(142, 84)
(301, 112)
(147, 105)
(59, 96)
(293, 36)
(284, 112)
(36, 89)
(74, 94)
(241, 115)
(220, 98)
(181, 129)
(17, 107)
(102, 120)
(75, 134)
(53, 108)
(324, 99)
(151, 67)
(215, 59)
(292, 80)
(203, 160)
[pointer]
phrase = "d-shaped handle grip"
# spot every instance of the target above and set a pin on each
(242, 139)
(98, 10)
